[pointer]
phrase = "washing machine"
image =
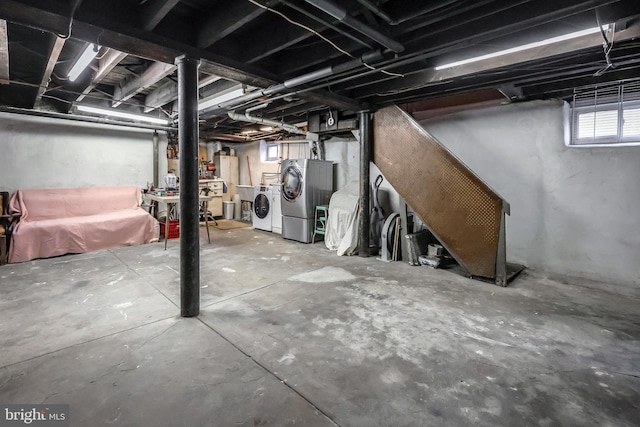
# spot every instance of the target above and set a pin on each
(262, 207)
(306, 183)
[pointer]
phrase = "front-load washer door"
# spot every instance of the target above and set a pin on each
(293, 203)
(261, 206)
(262, 210)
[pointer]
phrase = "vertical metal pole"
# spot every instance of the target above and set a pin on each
(366, 139)
(156, 178)
(189, 224)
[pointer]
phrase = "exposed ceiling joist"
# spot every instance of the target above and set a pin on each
(225, 21)
(432, 76)
(152, 46)
(333, 100)
(133, 41)
(160, 96)
(153, 74)
(268, 40)
(336, 11)
(316, 56)
(439, 106)
(4, 53)
(107, 63)
(169, 92)
(207, 80)
(54, 54)
(154, 11)
(301, 70)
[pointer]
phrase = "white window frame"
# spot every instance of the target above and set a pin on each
(264, 151)
(620, 106)
(275, 158)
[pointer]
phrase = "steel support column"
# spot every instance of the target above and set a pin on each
(189, 223)
(366, 139)
(156, 177)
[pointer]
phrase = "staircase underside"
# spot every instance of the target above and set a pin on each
(463, 213)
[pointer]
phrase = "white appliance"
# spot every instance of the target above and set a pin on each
(306, 183)
(262, 207)
(276, 212)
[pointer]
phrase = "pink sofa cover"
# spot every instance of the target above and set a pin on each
(78, 220)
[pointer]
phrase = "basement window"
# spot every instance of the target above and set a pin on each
(606, 116)
(269, 152)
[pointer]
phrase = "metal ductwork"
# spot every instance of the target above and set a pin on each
(287, 86)
(341, 15)
(86, 119)
(246, 117)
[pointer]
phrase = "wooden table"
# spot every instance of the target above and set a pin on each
(174, 200)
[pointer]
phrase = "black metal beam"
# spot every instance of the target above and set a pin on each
(189, 199)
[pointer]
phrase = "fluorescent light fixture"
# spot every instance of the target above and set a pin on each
(545, 42)
(219, 99)
(83, 62)
(266, 128)
(121, 114)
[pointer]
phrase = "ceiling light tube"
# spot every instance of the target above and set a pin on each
(545, 42)
(219, 99)
(121, 114)
(83, 62)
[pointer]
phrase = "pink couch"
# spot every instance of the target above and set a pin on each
(78, 220)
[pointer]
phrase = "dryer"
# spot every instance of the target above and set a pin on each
(262, 207)
(306, 183)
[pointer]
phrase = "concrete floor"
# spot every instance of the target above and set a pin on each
(291, 334)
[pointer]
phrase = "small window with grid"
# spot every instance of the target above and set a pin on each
(607, 115)
(273, 152)
(269, 152)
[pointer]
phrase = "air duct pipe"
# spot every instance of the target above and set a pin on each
(246, 117)
(367, 58)
(341, 15)
(86, 119)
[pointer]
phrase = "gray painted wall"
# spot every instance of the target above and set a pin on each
(38, 152)
(574, 211)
